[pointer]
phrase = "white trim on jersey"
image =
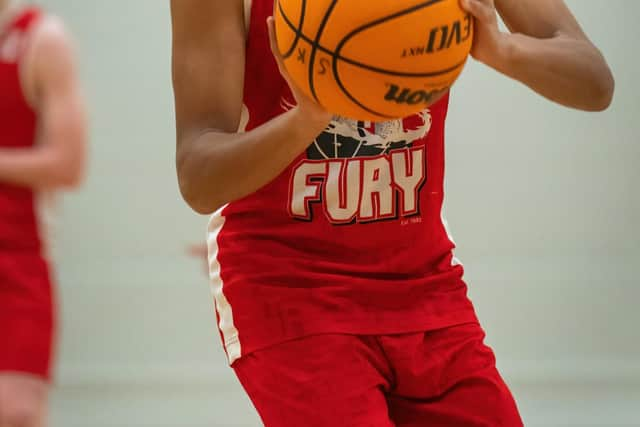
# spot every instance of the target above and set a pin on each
(225, 313)
(244, 119)
(247, 15)
(454, 261)
(230, 336)
(46, 219)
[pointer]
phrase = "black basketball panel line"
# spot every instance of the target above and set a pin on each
(336, 56)
(298, 33)
(344, 90)
(379, 21)
(383, 20)
(314, 48)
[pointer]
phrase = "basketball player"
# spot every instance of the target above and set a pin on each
(42, 149)
(339, 300)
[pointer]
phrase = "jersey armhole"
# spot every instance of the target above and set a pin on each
(247, 16)
(25, 58)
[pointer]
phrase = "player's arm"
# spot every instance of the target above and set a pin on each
(546, 50)
(215, 163)
(51, 84)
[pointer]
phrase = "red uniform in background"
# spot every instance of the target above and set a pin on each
(26, 293)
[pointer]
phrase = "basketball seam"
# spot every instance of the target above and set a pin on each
(323, 49)
(335, 55)
(362, 28)
(303, 8)
(316, 44)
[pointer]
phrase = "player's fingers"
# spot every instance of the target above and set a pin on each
(483, 10)
(278, 56)
(274, 45)
(483, 3)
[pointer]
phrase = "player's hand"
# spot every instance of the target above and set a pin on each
(489, 42)
(311, 110)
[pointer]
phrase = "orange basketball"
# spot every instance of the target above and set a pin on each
(373, 60)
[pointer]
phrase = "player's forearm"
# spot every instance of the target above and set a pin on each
(37, 168)
(569, 71)
(217, 168)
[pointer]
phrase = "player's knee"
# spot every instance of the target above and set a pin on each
(19, 411)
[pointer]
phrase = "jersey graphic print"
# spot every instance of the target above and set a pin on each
(362, 172)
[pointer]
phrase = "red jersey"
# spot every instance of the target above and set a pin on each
(19, 224)
(349, 239)
(27, 313)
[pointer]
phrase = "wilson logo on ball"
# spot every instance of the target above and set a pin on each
(344, 54)
(411, 97)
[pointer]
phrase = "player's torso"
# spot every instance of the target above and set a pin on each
(348, 239)
(19, 226)
(364, 197)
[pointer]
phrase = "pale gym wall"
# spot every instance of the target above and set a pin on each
(543, 203)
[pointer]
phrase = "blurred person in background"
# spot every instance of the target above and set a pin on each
(42, 150)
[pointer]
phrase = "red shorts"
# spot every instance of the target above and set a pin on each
(26, 314)
(439, 378)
